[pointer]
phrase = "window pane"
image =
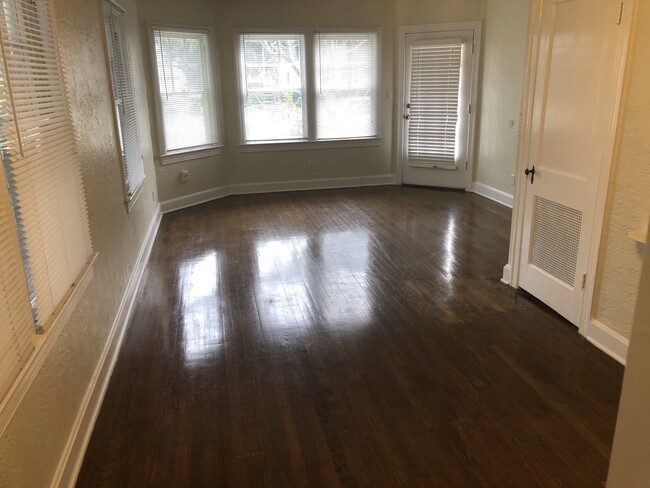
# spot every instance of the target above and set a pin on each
(346, 85)
(272, 85)
(186, 87)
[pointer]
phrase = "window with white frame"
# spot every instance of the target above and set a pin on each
(283, 100)
(44, 234)
(123, 92)
(188, 113)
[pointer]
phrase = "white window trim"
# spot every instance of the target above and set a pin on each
(190, 153)
(310, 142)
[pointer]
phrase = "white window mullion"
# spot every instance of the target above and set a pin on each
(310, 109)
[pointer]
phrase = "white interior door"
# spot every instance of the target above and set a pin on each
(574, 101)
(438, 81)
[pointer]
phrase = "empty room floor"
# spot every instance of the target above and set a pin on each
(356, 337)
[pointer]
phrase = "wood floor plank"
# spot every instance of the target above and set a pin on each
(353, 337)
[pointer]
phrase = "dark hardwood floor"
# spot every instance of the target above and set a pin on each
(348, 338)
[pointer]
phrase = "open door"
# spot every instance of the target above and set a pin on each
(438, 80)
(575, 97)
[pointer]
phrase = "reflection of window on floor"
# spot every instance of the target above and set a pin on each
(328, 288)
(199, 284)
(345, 267)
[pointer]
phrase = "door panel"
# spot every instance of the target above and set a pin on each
(574, 99)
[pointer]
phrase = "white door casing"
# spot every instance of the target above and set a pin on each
(458, 174)
(575, 84)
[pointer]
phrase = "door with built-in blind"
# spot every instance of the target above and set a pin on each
(439, 70)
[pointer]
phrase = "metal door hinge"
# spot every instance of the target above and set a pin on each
(466, 165)
(620, 14)
(472, 48)
(469, 108)
(584, 281)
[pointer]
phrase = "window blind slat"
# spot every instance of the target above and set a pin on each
(44, 179)
(16, 321)
(124, 98)
(434, 102)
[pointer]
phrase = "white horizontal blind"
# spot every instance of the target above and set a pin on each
(187, 89)
(272, 80)
(41, 165)
(346, 84)
(124, 99)
(434, 102)
(16, 321)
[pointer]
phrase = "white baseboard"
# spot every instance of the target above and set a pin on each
(194, 199)
(274, 187)
(607, 340)
(300, 185)
(507, 275)
(70, 463)
(493, 194)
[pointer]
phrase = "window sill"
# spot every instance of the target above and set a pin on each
(180, 156)
(130, 203)
(246, 147)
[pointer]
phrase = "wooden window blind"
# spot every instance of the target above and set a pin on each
(124, 100)
(434, 102)
(44, 235)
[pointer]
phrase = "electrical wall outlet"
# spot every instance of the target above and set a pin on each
(512, 179)
(310, 166)
(185, 176)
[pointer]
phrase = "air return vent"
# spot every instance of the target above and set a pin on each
(556, 239)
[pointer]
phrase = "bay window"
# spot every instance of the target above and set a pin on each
(308, 86)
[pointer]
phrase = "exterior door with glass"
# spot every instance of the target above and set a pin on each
(437, 108)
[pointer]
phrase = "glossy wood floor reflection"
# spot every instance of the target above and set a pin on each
(348, 338)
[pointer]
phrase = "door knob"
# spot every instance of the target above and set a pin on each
(531, 172)
(406, 117)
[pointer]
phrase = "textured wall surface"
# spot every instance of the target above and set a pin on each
(629, 465)
(32, 445)
(505, 30)
(628, 203)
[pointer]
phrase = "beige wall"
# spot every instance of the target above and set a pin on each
(414, 12)
(33, 443)
(629, 466)
(235, 167)
(628, 203)
(504, 48)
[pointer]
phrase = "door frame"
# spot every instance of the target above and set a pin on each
(512, 269)
(401, 85)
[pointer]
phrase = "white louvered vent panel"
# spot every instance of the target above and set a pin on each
(556, 239)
